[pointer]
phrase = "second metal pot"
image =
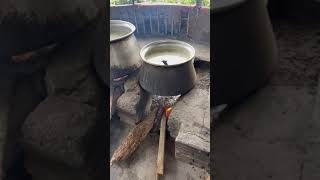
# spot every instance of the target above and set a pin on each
(167, 68)
(124, 49)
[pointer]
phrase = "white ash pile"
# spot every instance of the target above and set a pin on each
(165, 101)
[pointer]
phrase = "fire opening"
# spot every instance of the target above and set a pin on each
(168, 111)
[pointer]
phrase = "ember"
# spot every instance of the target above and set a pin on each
(165, 105)
(168, 111)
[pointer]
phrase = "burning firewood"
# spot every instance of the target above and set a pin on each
(137, 135)
(134, 138)
(162, 138)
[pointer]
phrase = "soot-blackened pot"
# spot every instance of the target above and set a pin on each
(244, 49)
(124, 49)
(167, 68)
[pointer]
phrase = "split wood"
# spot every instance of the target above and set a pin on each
(135, 137)
(161, 151)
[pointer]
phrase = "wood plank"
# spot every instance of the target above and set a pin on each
(161, 151)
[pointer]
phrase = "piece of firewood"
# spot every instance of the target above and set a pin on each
(21, 58)
(161, 151)
(134, 138)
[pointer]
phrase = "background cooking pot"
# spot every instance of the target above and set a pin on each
(124, 49)
(167, 68)
(26, 25)
(244, 49)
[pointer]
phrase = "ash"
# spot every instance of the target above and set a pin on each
(165, 101)
(160, 102)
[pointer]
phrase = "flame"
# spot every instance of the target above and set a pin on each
(168, 111)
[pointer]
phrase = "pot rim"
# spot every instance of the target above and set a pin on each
(125, 23)
(191, 48)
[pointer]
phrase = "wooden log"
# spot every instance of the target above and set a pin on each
(161, 151)
(134, 138)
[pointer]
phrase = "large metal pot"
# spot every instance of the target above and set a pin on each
(26, 25)
(124, 49)
(167, 68)
(244, 49)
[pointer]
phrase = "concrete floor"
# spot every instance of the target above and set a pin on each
(274, 134)
(142, 164)
(265, 137)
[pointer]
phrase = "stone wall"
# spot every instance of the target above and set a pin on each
(178, 21)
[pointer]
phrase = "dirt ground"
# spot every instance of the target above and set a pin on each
(299, 53)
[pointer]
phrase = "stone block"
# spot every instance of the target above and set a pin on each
(128, 100)
(126, 106)
(192, 109)
(88, 91)
(193, 146)
(59, 129)
(68, 66)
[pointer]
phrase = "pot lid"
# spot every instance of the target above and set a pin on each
(167, 53)
(222, 5)
(120, 30)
